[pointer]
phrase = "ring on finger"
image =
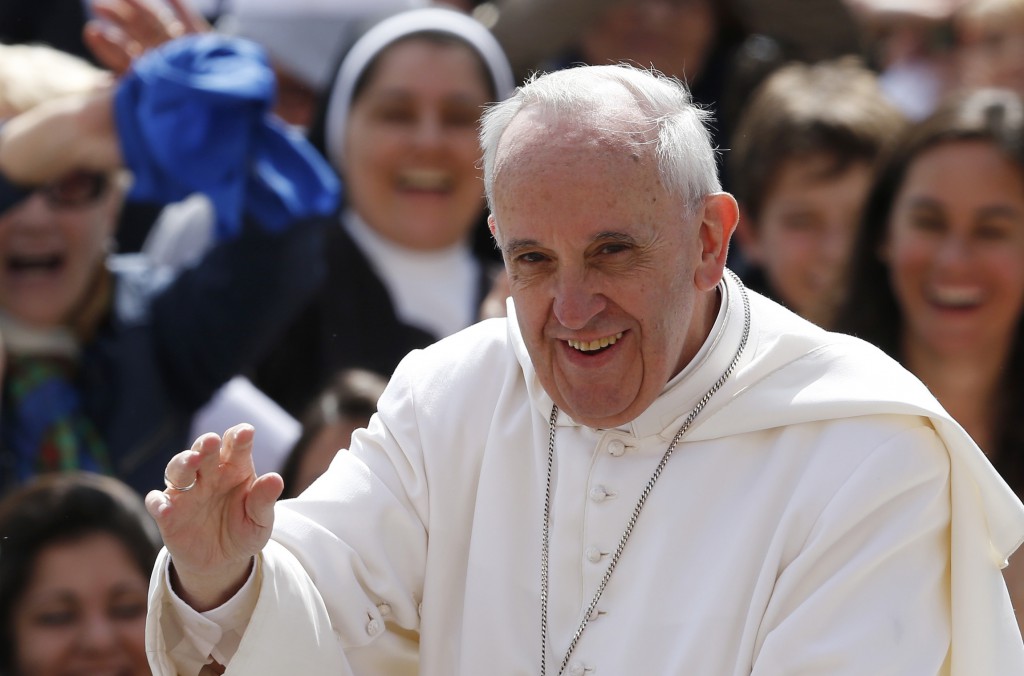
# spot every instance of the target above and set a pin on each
(180, 489)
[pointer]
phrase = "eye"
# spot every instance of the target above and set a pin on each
(613, 248)
(991, 232)
(798, 222)
(128, 610)
(927, 223)
(395, 114)
(55, 618)
(531, 257)
(461, 116)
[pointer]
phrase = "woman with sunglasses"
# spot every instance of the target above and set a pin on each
(108, 357)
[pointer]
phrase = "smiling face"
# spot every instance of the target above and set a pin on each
(613, 286)
(955, 249)
(804, 235)
(83, 612)
(49, 255)
(411, 148)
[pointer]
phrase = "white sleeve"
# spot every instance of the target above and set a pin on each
(340, 580)
(869, 590)
(192, 638)
(287, 630)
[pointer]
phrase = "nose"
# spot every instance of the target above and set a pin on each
(953, 251)
(836, 244)
(576, 303)
(428, 131)
(98, 634)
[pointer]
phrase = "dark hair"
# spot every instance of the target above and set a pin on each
(871, 310)
(57, 508)
(831, 108)
(352, 394)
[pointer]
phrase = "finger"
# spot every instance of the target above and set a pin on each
(112, 13)
(157, 504)
(107, 46)
(238, 445)
(184, 468)
(259, 506)
(138, 20)
(180, 473)
(191, 20)
(208, 449)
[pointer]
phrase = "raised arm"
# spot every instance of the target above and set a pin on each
(123, 30)
(215, 516)
(59, 136)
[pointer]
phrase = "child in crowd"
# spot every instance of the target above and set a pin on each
(990, 34)
(802, 159)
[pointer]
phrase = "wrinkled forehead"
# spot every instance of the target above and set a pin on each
(542, 140)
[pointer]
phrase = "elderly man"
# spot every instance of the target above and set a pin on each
(645, 470)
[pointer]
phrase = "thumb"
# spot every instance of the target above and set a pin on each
(259, 506)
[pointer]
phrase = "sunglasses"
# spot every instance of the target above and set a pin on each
(77, 189)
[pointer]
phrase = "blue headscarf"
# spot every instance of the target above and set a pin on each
(194, 116)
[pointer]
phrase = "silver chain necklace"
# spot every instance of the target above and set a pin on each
(546, 532)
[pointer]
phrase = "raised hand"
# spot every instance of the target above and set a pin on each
(125, 29)
(215, 515)
(59, 136)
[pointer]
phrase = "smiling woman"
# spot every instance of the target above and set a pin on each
(108, 356)
(400, 127)
(938, 273)
(77, 552)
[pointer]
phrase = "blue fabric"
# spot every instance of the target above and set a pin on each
(211, 96)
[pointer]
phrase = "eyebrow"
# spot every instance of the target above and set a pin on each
(514, 246)
(987, 211)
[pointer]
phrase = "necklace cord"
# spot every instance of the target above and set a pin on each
(546, 531)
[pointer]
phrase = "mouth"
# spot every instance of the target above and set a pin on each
(425, 180)
(21, 264)
(955, 298)
(594, 346)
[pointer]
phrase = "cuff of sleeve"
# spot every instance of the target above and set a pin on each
(215, 633)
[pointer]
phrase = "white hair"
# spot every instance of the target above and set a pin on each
(661, 110)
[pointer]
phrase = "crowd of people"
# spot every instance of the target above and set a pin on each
(222, 214)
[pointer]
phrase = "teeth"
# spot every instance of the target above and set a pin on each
(590, 346)
(425, 179)
(958, 296)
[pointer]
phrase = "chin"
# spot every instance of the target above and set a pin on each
(600, 417)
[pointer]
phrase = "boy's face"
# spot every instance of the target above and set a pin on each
(804, 237)
(992, 51)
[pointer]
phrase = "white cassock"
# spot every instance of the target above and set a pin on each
(823, 515)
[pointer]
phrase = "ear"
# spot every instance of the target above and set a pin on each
(746, 237)
(717, 226)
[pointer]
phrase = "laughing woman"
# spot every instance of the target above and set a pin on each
(938, 275)
(400, 127)
(107, 359)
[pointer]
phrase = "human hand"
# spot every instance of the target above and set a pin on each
(214, 528)
(125, 29)
(60, 136)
